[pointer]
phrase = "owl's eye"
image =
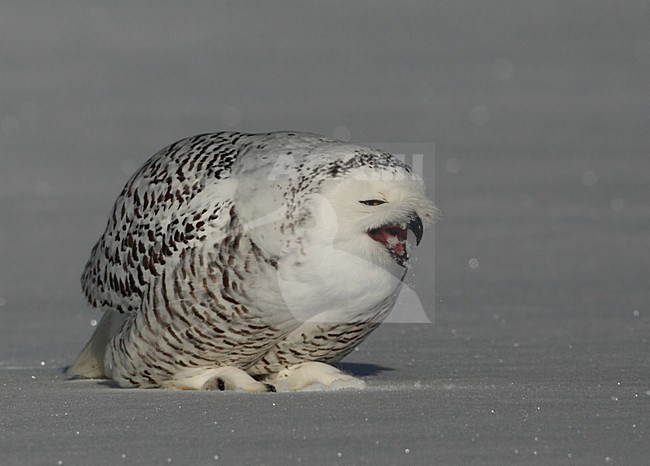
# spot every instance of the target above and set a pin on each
(373, 202)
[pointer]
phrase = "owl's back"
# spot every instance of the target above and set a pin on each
(157, 216)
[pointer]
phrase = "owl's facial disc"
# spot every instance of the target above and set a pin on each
(393, 237)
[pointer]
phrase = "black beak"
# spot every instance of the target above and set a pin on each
(416, 226)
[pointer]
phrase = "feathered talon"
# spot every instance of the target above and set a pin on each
(315, 375)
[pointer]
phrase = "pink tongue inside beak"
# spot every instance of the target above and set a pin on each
(392, 236)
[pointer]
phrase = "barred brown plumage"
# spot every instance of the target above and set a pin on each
(242, 260)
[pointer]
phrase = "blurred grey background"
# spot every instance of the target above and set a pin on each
(538, 111)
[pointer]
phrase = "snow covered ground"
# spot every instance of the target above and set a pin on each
(539, 346)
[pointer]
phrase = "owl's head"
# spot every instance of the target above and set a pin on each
(309, 195)
(370, 210)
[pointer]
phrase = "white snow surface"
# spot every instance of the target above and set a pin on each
(537, 350)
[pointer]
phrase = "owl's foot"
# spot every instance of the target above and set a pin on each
(221, 378)
(314, 376)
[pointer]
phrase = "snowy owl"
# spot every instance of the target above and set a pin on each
(249, 262)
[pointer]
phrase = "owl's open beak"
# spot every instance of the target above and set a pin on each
(394, 237)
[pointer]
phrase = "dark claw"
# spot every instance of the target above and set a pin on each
(221, 385)
(215, 384)
(269, 387)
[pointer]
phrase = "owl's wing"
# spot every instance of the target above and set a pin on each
(181, 198)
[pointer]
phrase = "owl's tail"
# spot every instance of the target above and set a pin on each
(90, 362)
